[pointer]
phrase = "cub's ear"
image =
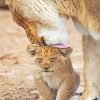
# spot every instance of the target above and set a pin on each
(31, 49)
(66, 51)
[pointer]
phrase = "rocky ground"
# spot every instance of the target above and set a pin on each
(15, 66)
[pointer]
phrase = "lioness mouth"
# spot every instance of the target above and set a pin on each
(62, 46)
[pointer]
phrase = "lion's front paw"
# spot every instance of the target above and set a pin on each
(89, 96)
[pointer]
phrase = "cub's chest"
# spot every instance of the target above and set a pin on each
(51, 80)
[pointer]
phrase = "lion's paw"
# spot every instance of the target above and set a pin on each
(92, 96)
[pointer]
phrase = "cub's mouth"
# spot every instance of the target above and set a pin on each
(47, 71)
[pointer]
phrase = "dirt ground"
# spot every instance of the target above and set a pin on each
(15, 66)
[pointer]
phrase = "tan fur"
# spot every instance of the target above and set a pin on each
(83, 11)
(60, 76)
(91, 54)
(86, 17)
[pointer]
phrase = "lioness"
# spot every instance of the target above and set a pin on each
(53, 71)
(47, 19)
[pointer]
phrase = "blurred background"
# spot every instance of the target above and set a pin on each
(2, 4)
(15, 66)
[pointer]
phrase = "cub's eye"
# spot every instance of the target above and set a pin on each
(39, 60)
(53, 59)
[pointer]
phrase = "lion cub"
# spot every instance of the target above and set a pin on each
(53, 72)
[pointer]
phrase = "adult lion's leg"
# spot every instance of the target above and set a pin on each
(91, 54)
(30, 28)
(31, 33)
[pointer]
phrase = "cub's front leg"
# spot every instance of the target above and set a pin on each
(66, 89)
(45, 93)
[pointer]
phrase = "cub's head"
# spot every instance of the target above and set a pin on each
(47, 58)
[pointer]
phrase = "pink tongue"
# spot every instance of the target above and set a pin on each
(60, 46)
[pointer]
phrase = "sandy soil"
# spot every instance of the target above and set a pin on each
(15, 66)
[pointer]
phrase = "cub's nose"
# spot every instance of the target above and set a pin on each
(46, 68)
